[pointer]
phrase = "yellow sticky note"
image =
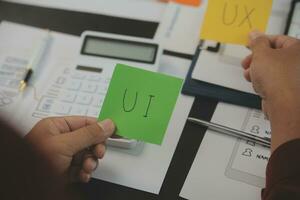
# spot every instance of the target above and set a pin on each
(230, 21)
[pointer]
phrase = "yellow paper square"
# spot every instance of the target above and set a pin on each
(230, 21)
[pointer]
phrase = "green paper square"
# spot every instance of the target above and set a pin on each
(140, 103)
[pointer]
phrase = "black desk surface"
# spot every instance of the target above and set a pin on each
(75, 23)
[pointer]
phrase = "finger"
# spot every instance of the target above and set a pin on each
(84, 177)
(74, 174)
(76, 122)
(67, 124)
(89, 165)
(79, 157)
(259, 42)
(247, 75)
(99, 151)
(247, 61)
(282, 41)
(87, 136)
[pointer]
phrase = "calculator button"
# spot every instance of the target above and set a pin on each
(74, 85)
(93, 112)
(107, 80)
(60, 80)
(39, 115)
(46, 104)
(53, 92)
(94, 78)
(84, 99)
(97, 101)
(89, 87)
(67, 71)
(62, 108)
(78, 76)
(68, 97)
(79, 110)
(102, 89)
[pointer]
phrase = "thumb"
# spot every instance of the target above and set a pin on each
(87, 136)
(258, 42)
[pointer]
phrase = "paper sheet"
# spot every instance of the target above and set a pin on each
(18, 44)
(148, 102)
(179, 27)
(224, 67)
(228, 168)
(16, 48)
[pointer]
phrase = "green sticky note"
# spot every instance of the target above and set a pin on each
(140, 103)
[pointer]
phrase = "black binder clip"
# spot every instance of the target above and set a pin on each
(214, 49)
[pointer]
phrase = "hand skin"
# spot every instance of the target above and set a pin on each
(72, 145)
(274, 70)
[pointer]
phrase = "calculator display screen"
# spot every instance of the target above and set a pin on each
(120, 49)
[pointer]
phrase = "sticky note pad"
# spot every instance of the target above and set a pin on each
(189, 2)
(230, 21)
(140, 103)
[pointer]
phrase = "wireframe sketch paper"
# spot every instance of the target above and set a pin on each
(235, 168)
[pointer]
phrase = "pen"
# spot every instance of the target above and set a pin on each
(34, 61)
(264, 141)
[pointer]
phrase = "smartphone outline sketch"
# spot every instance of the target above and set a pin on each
(239, 175)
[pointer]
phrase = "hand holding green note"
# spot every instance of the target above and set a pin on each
(140, 103)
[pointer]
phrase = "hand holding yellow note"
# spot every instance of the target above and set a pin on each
(230, 21)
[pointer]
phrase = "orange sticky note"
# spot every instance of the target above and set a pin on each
(230, 21)
(189, 2)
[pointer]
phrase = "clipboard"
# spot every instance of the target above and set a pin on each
(194, 87)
